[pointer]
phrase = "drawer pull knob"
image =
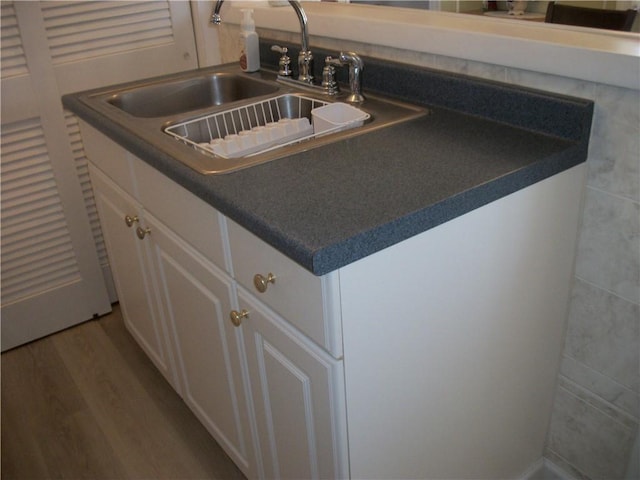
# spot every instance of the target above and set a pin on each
(236, 317)
(129, 220)
(142, 232)
(262, 283)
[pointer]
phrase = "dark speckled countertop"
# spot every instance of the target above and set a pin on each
(336, 204)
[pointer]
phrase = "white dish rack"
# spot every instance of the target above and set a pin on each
(257, 127)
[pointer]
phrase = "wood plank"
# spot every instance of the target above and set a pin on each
(203, 449)
(87, 403)
(47, 428)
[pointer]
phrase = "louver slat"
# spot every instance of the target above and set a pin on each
(82, 167)
(12, 59)
(82, 48)
(99, 34)
(63, 29)
(84, 30)
(37, 254)
(56, 12)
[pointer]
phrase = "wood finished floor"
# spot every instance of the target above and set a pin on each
(86, 403)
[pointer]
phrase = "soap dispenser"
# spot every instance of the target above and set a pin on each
(250, 55)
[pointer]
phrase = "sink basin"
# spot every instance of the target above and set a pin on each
(179, 115)
(159, 100)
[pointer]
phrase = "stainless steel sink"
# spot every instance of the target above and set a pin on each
(170, 98)
(147, 109)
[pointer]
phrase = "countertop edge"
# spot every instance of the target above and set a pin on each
(332, 256)
(372, 241)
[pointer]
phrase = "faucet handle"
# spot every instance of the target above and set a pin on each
(334, 62)
(329, 83)
(284, 63)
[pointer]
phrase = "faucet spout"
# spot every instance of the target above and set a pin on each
(215, 14)
(302, 18)
(305, 57)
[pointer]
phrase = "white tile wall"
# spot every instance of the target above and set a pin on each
(608, 245)
(588, 435)
(602, 386)
(615, 145)
(602, 334)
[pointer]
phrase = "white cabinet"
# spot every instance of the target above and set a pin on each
(292, 334)
(286, 355)
(309, 303)
(433, 358)
(175, 300)
(298, 397)
(196, 297)
(120, 217)
(452, 339)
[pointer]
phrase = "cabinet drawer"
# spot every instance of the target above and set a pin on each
(195, 221)
(108, 156)
(308, 302)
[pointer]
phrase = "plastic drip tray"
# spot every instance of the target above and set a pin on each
(336, 117)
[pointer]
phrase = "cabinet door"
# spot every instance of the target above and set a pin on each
(128, 256)
(51, 275)
(298, 398)
(196, 298)
(49, 49)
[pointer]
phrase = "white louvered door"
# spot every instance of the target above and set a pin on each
(53, 260)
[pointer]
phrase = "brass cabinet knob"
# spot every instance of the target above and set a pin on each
(129, 220)
(262, 283)
(142, 232)
(236, 317)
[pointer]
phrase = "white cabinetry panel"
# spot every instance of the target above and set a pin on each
(197, 300)
(129, 257)
(309, 302)
(459, 352)
(297, 398)
(175, 300)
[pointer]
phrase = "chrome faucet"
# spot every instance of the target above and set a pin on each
(215, 14)
(355, 75)
(305, 57)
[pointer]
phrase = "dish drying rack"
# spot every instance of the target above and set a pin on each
(259, 127)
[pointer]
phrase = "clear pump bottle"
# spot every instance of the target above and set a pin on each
(250, 55)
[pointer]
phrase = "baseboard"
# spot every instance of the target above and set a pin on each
(545, 469)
